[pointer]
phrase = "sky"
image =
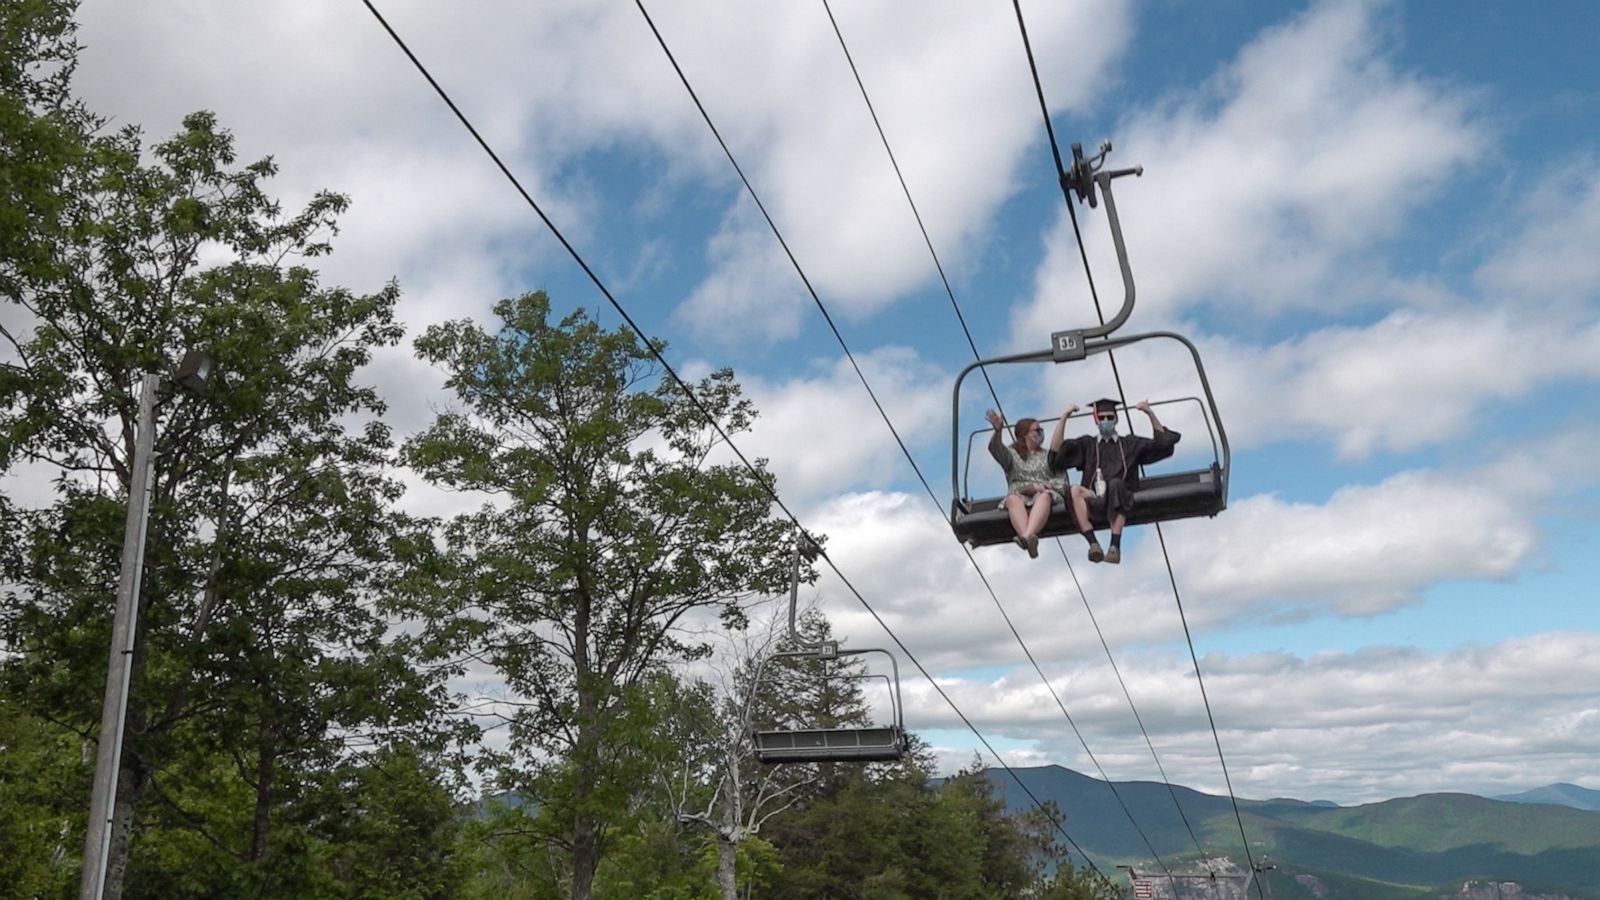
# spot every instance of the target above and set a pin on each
(1378, 222)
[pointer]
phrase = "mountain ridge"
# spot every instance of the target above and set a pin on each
(1559, 794)
(1404, 847)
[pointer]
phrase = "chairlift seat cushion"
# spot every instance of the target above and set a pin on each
(1160, 498)
(879, 744)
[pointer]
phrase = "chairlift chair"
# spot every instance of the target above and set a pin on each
(875, 743)
(1161, 497)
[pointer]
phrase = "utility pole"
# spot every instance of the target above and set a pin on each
(102, 803)
(193, 375)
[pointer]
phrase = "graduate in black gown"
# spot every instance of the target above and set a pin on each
(1110, 463)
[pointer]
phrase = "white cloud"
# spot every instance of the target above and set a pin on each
(800, 130)
(1274, 185)
(1410, 380)
(823, 433)
(753, 291)
(1552, 260)
(1366, 551)
(1350, 727)
(546, 86)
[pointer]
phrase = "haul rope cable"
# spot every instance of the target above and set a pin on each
(1061, 173)
(976, 355)
(711, 420)
(865, 382)
(884, 415)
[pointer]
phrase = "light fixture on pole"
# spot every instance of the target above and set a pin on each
(195, 371)
(192, 374)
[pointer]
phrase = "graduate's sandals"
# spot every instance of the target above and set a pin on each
(1021, 542)
(1114, 554)
(1095, 553)
(1033, 546)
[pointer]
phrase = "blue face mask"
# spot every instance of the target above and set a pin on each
(1108, 427)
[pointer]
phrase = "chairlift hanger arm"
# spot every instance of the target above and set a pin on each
(1082, 179)
(805, 548)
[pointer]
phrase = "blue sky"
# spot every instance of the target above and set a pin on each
(1377, 220)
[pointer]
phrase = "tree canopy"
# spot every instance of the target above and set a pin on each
(312, 660)
(609, 524)
(263, 665)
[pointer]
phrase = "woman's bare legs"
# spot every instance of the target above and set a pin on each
(1018, 511)
(1040, 513)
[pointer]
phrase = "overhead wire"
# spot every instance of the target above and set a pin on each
(850, 355)
(1061, 173)
(1055, 148)
(884, 138)
(916, 213)
(711, 420)
(1126, 693)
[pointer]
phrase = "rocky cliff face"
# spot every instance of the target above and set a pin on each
(1313, 884)
(1498, 890)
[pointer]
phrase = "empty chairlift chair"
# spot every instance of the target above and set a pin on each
(874, 743)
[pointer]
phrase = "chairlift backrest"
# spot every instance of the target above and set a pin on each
(976, 456)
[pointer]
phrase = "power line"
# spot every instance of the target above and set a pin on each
(984, 371)
(910, 202)
(1061, 173)
(861, 85)
(1139, 720)
(865, 382)
(695, 400)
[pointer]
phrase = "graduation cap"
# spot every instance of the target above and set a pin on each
(1105, 407)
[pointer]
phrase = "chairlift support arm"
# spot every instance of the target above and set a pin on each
(1082, 179)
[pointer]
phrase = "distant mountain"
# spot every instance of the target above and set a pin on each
(1558, 795)
(1417, 847)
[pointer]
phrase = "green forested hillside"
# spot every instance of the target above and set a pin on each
(1407, 847)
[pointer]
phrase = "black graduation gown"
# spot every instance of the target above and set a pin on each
(1117, 461)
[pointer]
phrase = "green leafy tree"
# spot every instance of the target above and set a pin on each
(717, 783)
(1037, 830)
(897, 831)
(392, 829)
(610, 526)
(507, 857)
(262, 662)
(39, 763)
(42, 132)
